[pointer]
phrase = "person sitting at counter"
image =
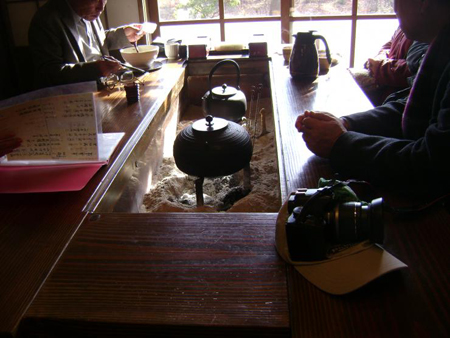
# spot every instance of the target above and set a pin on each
(386, 72)
(405, 142)
(68, 43)
(414, 58)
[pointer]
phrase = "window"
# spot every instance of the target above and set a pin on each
(354, 29)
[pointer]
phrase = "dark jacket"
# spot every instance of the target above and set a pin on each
(414, 58)
(56, 53)
(404, 142)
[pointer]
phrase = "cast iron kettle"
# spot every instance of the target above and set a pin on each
(212, 147)
(304, 61)
(225, 101)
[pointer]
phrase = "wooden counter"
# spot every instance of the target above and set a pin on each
(413, 302)
(335, 92)
(35, 228)
(165, 274)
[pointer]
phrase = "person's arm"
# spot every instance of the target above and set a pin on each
(391, 68)
(382, 53)
(390, 72)
(50, 48)
(321, 130)
(122, 36)
(394, 160)
(116, 38)
(384, 120)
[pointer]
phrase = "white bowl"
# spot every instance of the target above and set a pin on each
(143, 59)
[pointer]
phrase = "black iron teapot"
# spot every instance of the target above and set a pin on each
(225, 101)
(212, 147)
(304, 61)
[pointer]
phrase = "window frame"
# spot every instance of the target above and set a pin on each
(152, 13)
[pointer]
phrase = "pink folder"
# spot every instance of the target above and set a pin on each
(54, 176)
(47, 178)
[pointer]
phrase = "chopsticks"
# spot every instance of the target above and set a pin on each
(132, 68)
(110, 58)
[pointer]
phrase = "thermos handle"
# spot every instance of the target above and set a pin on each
(221, 63)
(327, 50)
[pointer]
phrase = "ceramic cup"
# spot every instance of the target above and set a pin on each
(172, 50)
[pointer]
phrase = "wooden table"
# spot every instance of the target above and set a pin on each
(335, 92)
(409, 303)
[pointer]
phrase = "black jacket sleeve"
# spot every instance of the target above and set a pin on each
(384, 120)
(385, 157)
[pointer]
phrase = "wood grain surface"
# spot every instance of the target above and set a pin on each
(166, 274)
(335, 92)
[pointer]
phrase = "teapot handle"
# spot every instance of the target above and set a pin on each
(221, 63)
(327, 50)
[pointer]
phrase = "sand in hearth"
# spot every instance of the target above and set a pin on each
(174, 191)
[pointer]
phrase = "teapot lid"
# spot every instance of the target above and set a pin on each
(209, 124)
(224, 91)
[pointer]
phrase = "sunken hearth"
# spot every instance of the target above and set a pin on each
(174, 191)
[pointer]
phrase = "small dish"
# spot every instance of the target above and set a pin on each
(156, 65)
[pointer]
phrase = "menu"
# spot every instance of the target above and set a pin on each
(56, 127)
(62, 143)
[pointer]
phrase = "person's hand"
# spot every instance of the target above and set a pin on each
(108, 66)
(8, 144)
(135, 31)
(371, 62)
(320, 131)
(373, 65)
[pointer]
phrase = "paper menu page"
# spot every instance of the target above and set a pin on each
(56, 127)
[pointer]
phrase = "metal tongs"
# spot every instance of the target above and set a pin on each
(252, 116)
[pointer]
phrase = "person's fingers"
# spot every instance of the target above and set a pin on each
(306, 123)
(134, 32)
(137, 26)
(8, 144)
(321, 116)
(10, 141)
(300, 118)
(108, 66)
(298, 122)
(115, 67)
(4, 151)
(311, 123)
